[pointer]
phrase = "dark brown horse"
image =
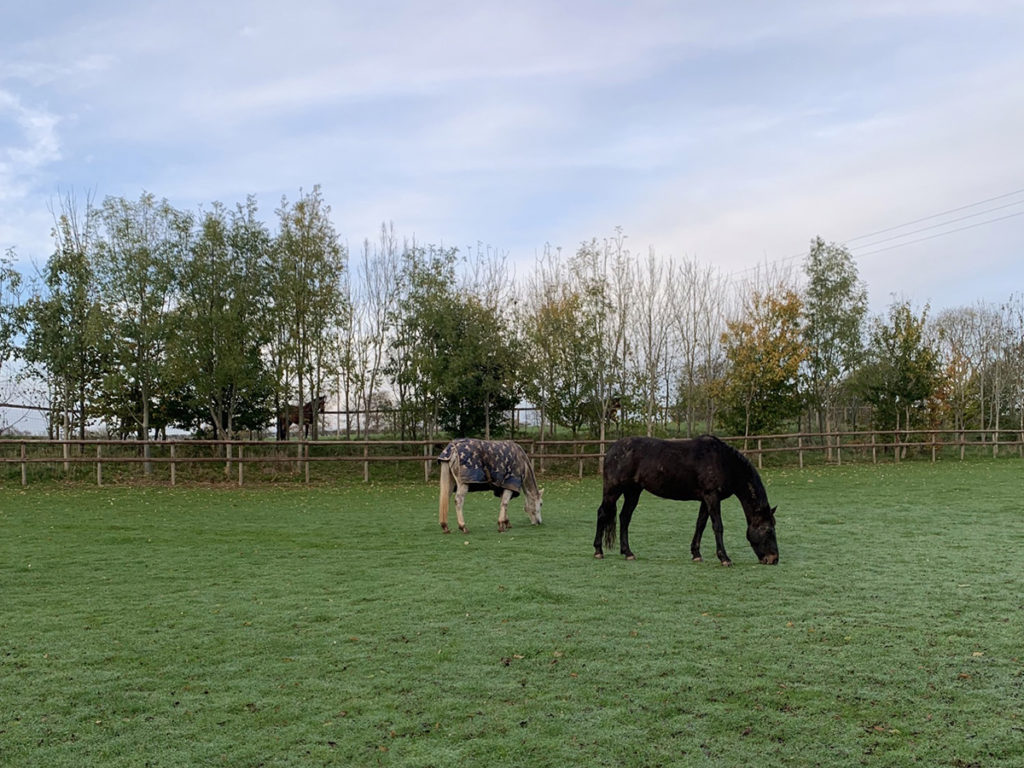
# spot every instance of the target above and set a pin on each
(705, 470)
(291, 416)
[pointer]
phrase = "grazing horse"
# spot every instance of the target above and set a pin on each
(291, 416)
(704, 469)
(486, 465)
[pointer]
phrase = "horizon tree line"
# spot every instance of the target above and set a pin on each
(147, 317)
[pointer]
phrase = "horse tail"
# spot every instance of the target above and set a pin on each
(606, 514)
(446, 494)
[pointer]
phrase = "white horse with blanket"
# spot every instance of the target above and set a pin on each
(486, 465)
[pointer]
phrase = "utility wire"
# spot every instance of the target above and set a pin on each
(940, 234)
(945, 223)
(785, 259)
(937, 215)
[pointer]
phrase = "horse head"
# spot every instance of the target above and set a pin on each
(761, 535)
(532, 506)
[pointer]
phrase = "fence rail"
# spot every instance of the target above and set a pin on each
(162, 460)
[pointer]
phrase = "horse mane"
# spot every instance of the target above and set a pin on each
(531, 477)
(757, 489)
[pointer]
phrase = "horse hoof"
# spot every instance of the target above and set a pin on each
(445, 529)
(726, 563)
(464, 529)
(698, 559)
(631, 556)
(599, 555)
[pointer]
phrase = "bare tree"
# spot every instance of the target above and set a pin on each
(602, 274)
(698, 321)
(378, 293)
(652, 294)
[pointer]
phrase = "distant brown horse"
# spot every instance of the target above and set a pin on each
(291, 416)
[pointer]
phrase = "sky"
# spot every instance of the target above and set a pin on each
(728, 133)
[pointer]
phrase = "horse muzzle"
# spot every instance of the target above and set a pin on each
(772, 558)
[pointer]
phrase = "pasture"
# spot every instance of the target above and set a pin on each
(337, 626)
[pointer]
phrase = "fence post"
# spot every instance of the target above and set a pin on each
(839, 450)
(800, 450)
(99, 464)
(366, 463)
(933, 447)
(240, 464)
(874, 451)
(760, 464)
(173, 466)
(24, 468)
(305, 453)
(426, 462)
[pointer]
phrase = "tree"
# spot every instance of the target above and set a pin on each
(835, 305)
(765, 350)
(142, 245)
(377, 288)
(65, 340)
(221, 324)
(698, 320)
(902, 368)
(602, 277)
(957, 334)
(652, 292)
(309, 302)
(561, 344)
(476, 374)
(12, 313)
(454, 355)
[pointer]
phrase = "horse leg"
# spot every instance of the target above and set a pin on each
(715, 509)
(446, 495)
(628, 505)
(503, 523)
(605, 522)
(460, 497)
(702, 520)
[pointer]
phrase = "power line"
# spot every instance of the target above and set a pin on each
(941, 234)
(945, 223)
(785, 259)
(937, 215)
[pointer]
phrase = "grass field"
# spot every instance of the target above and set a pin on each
(338, 626)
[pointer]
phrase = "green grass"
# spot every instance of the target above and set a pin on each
(338, 626)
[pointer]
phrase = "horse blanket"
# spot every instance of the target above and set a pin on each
(484, 464)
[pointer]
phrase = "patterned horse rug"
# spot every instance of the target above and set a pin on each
(484, 465)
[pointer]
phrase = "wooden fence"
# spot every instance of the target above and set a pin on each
(261, 461)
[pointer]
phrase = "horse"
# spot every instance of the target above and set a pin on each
(486, 465)
(291, 416)
(704, 469)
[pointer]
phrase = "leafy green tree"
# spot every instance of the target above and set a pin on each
(66, 341)
(835, 305)
(420, 318)
(309, 300)
(902, 367)
(765, 351)
(217, 371)
(138, 255)
(454, 360)
(477, 373)
(561, 346)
